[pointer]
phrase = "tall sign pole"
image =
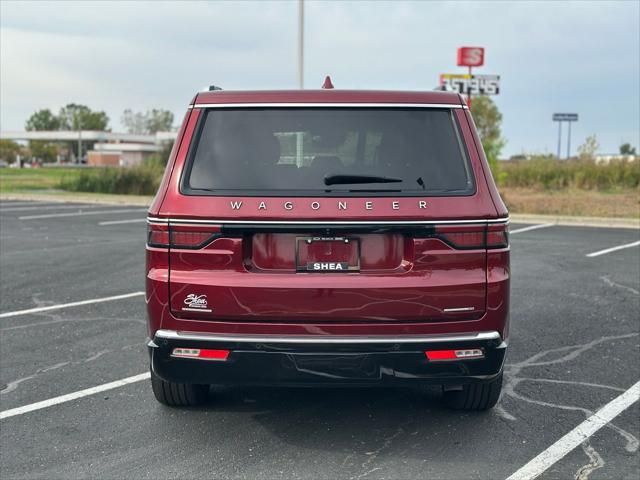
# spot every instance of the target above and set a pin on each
(469, 97)
(559, 138)
(569, 118)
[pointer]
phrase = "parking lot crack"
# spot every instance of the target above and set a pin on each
(373, 455)
(11, 386)
(595, 462)
(567, 353)
(611, 283)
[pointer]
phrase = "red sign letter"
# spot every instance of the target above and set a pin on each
(470, 56)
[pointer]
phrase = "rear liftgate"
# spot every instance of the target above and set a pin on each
(297, 273)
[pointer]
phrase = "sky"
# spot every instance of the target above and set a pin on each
(577, 57)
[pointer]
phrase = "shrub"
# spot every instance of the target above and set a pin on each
(139, 180)
(546, 172)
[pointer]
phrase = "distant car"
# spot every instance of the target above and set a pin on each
(3, 164)
(324, 238)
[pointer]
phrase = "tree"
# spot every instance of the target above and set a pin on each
(156, 120)
(81, 117)
(134, 122)
(9, 150)
(46, 152)
(488, 120)
(159, 120)
(627, 149)
(587, 150)
(42, 120)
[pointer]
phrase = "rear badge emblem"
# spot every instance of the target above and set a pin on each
(196, 303)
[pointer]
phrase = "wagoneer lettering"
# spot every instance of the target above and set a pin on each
(341, 205)
(332, 238)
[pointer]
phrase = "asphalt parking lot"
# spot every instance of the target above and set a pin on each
(574, 348)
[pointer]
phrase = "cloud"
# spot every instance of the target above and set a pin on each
(552, 56)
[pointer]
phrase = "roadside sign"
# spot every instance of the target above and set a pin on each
(470, 56)
(471, 84)
(565, 117)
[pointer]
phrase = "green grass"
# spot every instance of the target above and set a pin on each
(141, 180)
(138, 180)
(575, 174)
(15, 180)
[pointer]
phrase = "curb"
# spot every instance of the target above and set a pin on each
(132, 200)
(598, 222)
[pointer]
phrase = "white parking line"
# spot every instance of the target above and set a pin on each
(575, 437)
(613, 249)
(67, 305)
(116, 222)
(10, 203)
(47, 207)
(73, 396)
(75, 214)
(531, 227)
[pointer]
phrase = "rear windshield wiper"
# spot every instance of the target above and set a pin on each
(342, 179)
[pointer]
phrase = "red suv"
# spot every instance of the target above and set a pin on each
(328, 237)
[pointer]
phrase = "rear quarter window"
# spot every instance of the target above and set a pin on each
(292, 151)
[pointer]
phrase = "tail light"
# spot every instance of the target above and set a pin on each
(157, 235)
(200, 353)
(180, 236)
(498, 236)
(464, 237)
(459, 354)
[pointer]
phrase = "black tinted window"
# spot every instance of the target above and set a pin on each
(286, 150)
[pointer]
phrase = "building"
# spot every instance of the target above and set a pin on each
(614, 157)
(108, 148)
(120, 154)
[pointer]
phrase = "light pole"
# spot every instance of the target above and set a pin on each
(79, 159)
(299, 143)
(301, 44)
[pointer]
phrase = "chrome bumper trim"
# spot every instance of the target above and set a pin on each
(327, 339)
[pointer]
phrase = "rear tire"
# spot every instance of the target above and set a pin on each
(475, 396)
(178, 394)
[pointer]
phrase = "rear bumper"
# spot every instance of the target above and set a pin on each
(326, 360)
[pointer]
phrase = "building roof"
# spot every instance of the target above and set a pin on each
(127, 147)
(327, 96)
(87, 136)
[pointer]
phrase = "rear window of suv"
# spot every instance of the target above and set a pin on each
(328, 151)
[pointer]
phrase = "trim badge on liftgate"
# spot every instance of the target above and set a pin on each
(315, 205)
(196, 303)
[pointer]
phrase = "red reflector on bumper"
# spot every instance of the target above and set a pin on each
(201, 353)
(454, 354)
(441, 355)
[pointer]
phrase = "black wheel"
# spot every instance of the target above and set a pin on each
(475, 396)
(178, 394)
